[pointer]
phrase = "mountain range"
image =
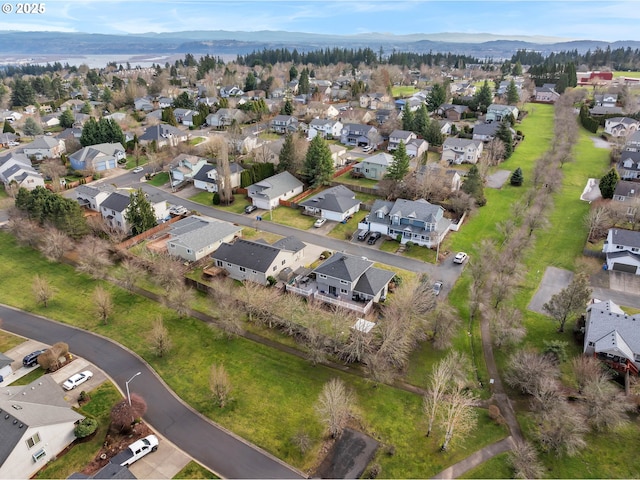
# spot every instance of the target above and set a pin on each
(220, 42)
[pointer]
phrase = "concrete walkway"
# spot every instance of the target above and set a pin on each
(477, 458)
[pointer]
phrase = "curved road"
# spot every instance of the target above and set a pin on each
(216, 448)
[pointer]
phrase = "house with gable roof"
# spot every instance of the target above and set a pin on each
(626, 191)
(98, 158)
(461, 150)
(358, 135)
(206, 178)
(114, 209)
(256, 261)
(45, 147)
(195, 237)
(398, 136)
(17, 167)
(621, 126)
(622, 248)
(92, 196)
(267, 193)
(497, 112)
(163, 135)
(374, 167)
(325, 128)
(284, 124)
(452, 112)
(612, 336)
(633, 142)
(225, 117)
(36, 424)
(185, 166)
(336, 204)
(416, 221)
(629, 165)
(546, 93)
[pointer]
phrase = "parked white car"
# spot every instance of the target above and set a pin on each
(319, 222)
(460, 257)
(137, 169)
(136, 451)
(78, 379)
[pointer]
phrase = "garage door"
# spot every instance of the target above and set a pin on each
(621, 267)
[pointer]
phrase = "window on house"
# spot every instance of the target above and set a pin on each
(39, 454)
(284, 261)
(592, 344)
(634, 249)
(34, 440)
(242, 269)
(188, 250)
(619, 247)
(344, 282)
(219, 263)
(228, 264)
(344, 290)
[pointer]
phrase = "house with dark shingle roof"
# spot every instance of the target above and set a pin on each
(626, 191)
(398, 136)
(416, 221)
(629, 165)
(45, 147)
(336, 204)
(163, 135)
(98, 158)
(256, 261)
(623, 250)
(633, 142)
(16, 167)
(114, 209)
(206, 178)
(36, 424)
(267, 193)
(92, 196)
(461, 150)
(621, 126)
(195, 237)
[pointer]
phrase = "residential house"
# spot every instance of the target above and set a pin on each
(114, 209)
(225, 117)
(9, 116)
(594, 78)
(117, 117)
(195, 237)
(5, 367)
(73, 105)
(629, 165)
(485, 132)
(452, 112)
(325, 128)
(611, 335)
(600, 111)
(267, 193)
(79, 119)
(497, 112)
(98, 158)
(336, 203)
(546, 93)
(374, 101)
(350, 277)
(45, 147)
(164, 102)
(622, 248)
(16, 167)
(338, 155)
(445, 126)
(398, 136)
(504, 85)
(416, 221)
(321, 110)
(374, 167)
(7, 139)
(231, 91)
(626, 191)
(163, 135)
(621, 126)
(417, 147)
(36, 425)
(184, 167)
(606, 100)
(284, 124)
(257, 261)
(208, 101)
(92, 196)
(143, 104)
(434, 172)
(206, 178)
(383, 115)
(49, 121)
(321, 87)
(461, 150)
(633, 142)
(359, 135)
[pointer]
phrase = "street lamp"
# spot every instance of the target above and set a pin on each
(127, 385)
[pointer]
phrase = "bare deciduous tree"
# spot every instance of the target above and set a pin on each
(458, 416)
(26, 232)
(606, 408)
(527, 369)
(167, 272)
(42, 290)
(102, 303)
(506, 326)
(524, 461)
(180, 298)
(334, 406)
(93, 257)
(159, 338)
(444, 323)
(562, 429)
(570, 301)
(220, 385)
(598, 220)
(130, 273)
(55, 244)
(53, 169)
(586, 369)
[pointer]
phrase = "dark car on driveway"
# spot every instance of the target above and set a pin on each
(32, 359)
(373, 238)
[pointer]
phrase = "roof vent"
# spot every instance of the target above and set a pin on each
(6, 416)
(15, 421)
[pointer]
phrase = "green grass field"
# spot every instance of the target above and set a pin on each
(8, 340)
(626, 74)
(347, 179)
(205, 198)
(160, 179)
(290, 217)
(131, 161)
(344, 231)
(194, 470)
(403, 91)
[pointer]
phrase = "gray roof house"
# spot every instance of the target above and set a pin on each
(629, 165)
(45, 147)
(622, 248)
(224, 117)
(398, 136)
(416, 221)
(633, 142)
(461, 150)
(98, 158)
(206, 178)
(163, 135)
(16, 167)
(336, 203)
(256, 261)
(284, 124)
(375, 166)
(36, 425)
(358, 134)
(621, 126)
(113, 209)
(5, 367)
(267, 193)
(92, 196)
(195, 237)
(626, 191)
(612, 336)
(497, 112)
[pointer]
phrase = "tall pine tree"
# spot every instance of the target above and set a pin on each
(318, 164)
(399, 167)
(408, 119)
(286, 160)
(140, 215)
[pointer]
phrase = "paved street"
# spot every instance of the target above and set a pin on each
(219, 450)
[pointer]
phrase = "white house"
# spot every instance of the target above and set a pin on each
(45, 147)
(195, 237)
(325, 128)
(16, 167)
(36, 425)
(267, 193)
(497, 112)
(92, 196)
(621, 126)
(461, 150)
(375, 166)
(336, 203)
(623, 250)
(398, 136)
(206, 177)
(114, 209)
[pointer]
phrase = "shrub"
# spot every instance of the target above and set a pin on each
(374, 471)
(86, 427)
(124, 415)
(556, 350)
(216, 198)
(271, 280)
(495, 414)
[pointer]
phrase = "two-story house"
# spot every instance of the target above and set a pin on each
(416, 221)
(284, 124)
(257, 261)
(452, 112)
(621, 126)
(17, 167)
(98, 158)
(45, 147)
(206, 177)
(622, 248)
(336, 203)
(359, 135)
(195, 237)
(606, 100)
(629, 165)
(374, 101)
(461, 150)
(184, 167)
(225, 117)
(325, 128)
(497, 112)
(633, 142)
(114, 209)
(374, 167)
(92, 196)
(267, 193)
(398, 136)
(163, 135)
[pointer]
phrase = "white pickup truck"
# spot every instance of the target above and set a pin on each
(136, 451)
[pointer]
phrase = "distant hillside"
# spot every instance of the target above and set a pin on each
(222, 42)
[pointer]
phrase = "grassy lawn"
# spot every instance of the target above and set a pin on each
(194, 470)
(268, 136)
(344, 231)
(29, 377)
(197, 141)
(160, 179)
(131, 161)
(403, 91)
(347, 179)
(423, 254)
(626, 74)
(205, 198)
(9, 340)
(390, 246)
(102, 399)
(367, 198)
(253, 234)
(274, 393)
(496, 467)
(289, 217)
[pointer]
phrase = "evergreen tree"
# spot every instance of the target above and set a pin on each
(513, 96)
(437, 97)
(483, 96)
(22, 94)
(608, 183)
(286, 159)
(434, 134)
(169, 117)
(571, 74)
(7, 128)
(31, 128)
(517, 179)
(318, 164)
(183, 101)
(90, 133)
(517, 69)
(140, 215)
(86, 108)
(293, 72)
(421, 121)
(399, 167)
(504, 134)
(107, 95)
(408, 119)
(67, 119)
(562, 83)
(472, 185)
(287, 108)
(104, 131)
(250, 82)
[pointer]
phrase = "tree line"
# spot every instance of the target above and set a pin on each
(618, 58)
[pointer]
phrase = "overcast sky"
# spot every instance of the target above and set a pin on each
(573, 19)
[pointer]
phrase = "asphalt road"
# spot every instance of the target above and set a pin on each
(217, 449)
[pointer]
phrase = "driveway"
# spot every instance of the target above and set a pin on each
(498, 179)
(217, 449)
(554, 280)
